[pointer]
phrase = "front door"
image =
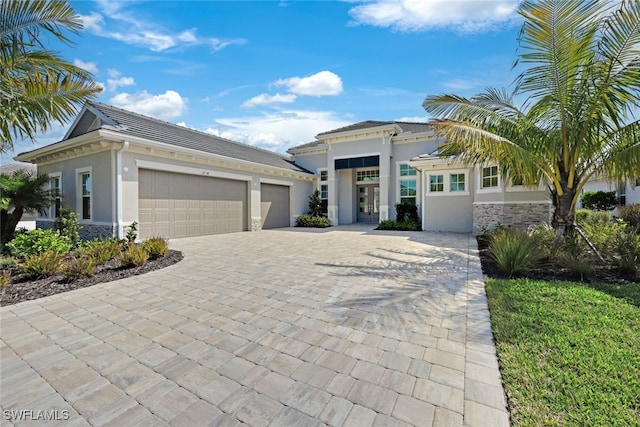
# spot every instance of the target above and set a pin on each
(369, 203)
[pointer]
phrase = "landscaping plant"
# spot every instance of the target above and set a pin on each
(101, 250)
(599, 200)
(37, 241)
(68, 226)
(78, 267)
(631, 215)
(306, 220)
(43, 264)
(156, 247)
(514, 251)
(133, 256)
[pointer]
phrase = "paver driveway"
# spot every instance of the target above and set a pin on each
(345, 326)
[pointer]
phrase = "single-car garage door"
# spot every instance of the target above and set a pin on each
(274, 205)
(179, 205)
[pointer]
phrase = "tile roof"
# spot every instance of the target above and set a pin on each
(134, 124)
(405, 126)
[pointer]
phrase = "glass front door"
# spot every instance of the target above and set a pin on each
(369, 203)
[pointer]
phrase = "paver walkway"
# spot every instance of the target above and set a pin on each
(345, 327)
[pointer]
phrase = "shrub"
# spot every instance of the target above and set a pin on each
(67, 225)
(156, 247)
(591, 217)
(386, 224)
(101, 250)
(514, 251)
(603, 231)
(316, 205)
(599, 200)
(78, 268)
(579, 265)
(44, 264)
(5, 279)
(306, 220)
(7, 262)
(628, 252)
(132, 232)
(630, 214)
(133, 256)
(38, 241)
(407, 213)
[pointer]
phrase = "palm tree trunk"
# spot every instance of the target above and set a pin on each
(563, 213)
(9, 223)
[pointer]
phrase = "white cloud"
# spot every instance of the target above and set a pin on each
(116, 79)
(422, 15)
(130, 29)
(164, 106)
(414, 119)
(266, 99)
(89, 66)
(319, 84)
(277, 131)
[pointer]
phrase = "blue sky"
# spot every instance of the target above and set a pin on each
(275, 73)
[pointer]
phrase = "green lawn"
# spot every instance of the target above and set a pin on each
(569, 352)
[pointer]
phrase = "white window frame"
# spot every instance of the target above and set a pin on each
(400, 177)
(79, 173)
(52, 208)
(446, 181)
(368, 169)
(480, 188)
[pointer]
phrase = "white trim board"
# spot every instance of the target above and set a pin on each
(167, 167)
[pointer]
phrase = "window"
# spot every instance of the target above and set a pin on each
(85, 182)
(622, 193)
(324, 190)
(368, 175)
(406, 170)
(490, 177)
(55, 185)
(436, 183)
(408, 191)
(456, 182)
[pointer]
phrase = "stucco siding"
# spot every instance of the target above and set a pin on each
(346, 197)
(102, 189)
(312, 162)
(448, 213)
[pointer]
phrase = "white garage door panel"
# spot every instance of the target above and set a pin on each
(179, 205)
(274, 206)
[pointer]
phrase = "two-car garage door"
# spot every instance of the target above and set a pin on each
(179, 205)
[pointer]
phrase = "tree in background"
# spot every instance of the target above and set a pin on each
(21, 192)
(37, 86)
(580, 86)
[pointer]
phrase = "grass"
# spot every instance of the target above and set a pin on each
(569, 352)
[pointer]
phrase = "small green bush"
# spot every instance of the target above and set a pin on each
(585, 217)
(388, 224)
(8, 262)
(78, 268)
(599, 200)
(101, 250)
(579, 265)
(514, 251)
(68, 226)
(628, 252)
(312, 221)
(407, 213)
(156, 247)
(132, 232)
(5, 279)
(44, 264)
(316, 205)
(631, 215)
(133, 256)
(38, 241)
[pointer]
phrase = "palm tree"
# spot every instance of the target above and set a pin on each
(22, 192)
(580, 87)
(37, 87)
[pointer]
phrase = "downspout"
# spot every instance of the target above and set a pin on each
(125, 145)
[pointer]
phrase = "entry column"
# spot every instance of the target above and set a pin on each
(385, 177)
(332, 185)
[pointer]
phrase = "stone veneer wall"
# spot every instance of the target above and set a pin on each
(87, 232)
(516, 215)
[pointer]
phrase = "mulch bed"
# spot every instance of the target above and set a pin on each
(23, 289)
(601, 273)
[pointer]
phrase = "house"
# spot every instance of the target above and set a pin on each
(367, 168)
(115, 167)
(627, 192)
